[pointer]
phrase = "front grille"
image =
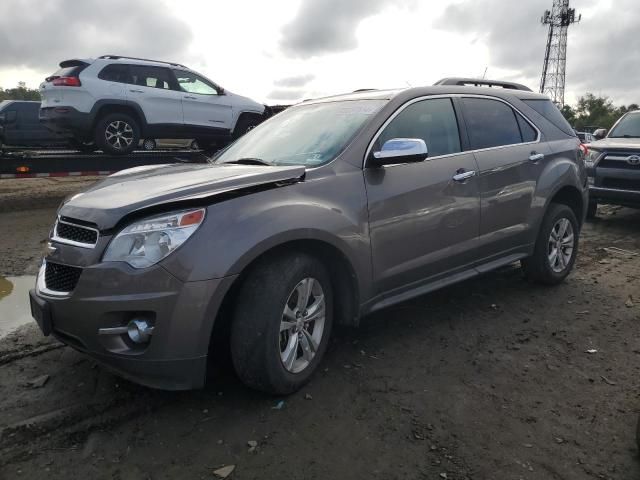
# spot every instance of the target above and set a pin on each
(61, 278)
(76, 233)
(622, 164)
(621, 183)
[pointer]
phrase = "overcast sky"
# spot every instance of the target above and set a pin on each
(287, 50)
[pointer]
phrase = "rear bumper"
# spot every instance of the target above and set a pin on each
(66, 121)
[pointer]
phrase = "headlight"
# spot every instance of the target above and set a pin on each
(146, 242)
(591, 157)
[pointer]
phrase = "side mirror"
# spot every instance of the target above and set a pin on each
(400, 150)
(600, 133)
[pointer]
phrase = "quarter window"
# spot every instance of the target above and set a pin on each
(490, 123)
(192, 83)
(528, 133)
(433, 121)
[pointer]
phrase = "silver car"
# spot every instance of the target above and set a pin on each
(329, 211)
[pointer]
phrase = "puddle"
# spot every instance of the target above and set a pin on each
(14, 302)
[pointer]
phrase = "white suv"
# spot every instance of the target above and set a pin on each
(113, 101)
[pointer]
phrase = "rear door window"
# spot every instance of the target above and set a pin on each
(152, 77)
(116, 72)
(490, 123)
(433, 121)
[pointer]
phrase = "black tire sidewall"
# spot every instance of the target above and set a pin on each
(102, 126)
(538, 266)
(258, 361)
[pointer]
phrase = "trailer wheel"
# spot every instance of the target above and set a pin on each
(117, 134)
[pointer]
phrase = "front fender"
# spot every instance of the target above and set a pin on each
(238, 231)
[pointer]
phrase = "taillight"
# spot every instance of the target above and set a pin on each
(584, 148)
(66, 82)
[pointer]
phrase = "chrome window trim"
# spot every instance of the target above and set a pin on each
(41, 284)
(451, 96)
(66, 241)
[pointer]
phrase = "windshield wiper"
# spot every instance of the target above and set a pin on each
(249, 161)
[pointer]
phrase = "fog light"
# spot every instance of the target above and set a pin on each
(139, 331)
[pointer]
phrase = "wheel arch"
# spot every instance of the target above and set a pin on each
(345, 285)
(570, 196)
(102, 108)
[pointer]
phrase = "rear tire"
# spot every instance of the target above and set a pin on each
(282, 322)
(592, 209)
(556, 247)
(117, 134)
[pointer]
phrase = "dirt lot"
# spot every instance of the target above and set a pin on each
(490, 379)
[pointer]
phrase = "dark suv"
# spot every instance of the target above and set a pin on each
(613, 165)
(328, 211)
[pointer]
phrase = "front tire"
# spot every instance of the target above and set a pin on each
(282, 322)
(556, 247)
(117, 134)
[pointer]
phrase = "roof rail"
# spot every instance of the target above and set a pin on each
(365, 90)
(118, 57)
(478, 82)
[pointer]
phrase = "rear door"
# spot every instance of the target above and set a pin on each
(510, 157)
(155, 90)
(203, 105)
(423, 223)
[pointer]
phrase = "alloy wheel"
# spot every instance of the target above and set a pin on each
(561, 244)
(119, 134)
(302, 325)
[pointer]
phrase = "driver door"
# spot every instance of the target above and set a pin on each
(202, 104)
(424, 224)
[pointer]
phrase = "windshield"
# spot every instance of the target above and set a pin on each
(628, 127)
(309, 135)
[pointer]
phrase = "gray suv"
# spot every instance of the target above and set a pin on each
(330, 210)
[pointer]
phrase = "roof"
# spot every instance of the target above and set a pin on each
(447, 89)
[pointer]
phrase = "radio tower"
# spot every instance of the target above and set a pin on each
(555, 57)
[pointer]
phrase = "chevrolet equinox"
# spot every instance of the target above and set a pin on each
(330, 210)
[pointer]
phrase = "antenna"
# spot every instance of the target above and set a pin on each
(559, 18)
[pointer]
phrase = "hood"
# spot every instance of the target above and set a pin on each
(241, 103)
(128, 191)
(616, 144)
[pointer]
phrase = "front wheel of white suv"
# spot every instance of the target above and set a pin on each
(117, 134)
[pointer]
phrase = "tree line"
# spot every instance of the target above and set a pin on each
(21, 92)
(595, 111)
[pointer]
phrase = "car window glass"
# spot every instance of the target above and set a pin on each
(528, 133)
(628, 126)
(153, 77)
(192, 83)
(433, 121)
(115, 73)
(548, 110)
(490, 123)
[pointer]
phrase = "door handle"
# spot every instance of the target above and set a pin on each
(190, 97)
(536, 157)
(462, 175)
(136, 91)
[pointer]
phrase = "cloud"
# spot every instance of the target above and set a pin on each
(329, 26)
(38, 35)
(297, 81)
(604, 49)
(287, 95)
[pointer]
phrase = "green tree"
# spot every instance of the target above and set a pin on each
(595, 111)
(21, 92)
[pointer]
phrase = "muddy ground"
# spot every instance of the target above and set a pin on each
(489, 379)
